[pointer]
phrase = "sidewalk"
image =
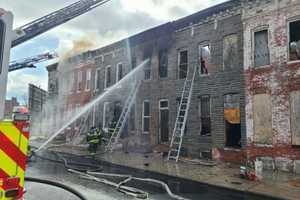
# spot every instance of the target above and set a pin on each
(274, 184)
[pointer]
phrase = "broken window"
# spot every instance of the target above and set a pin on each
(79, 81)
(204, 59)
(107, 80)
(261, 48)
(146, 116)
(163, 63)
(98, 79)
(294, 42)
(119, 71)
(295, 117)
(262, 117)
(148, 50)
(232, 118)
(205, 123)
(183, 64)
(88, 80)
(230, 51)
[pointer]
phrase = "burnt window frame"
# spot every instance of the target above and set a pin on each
(106, 84)
(200, 45)
(118, 77)
(179, 65)
(289, 21)
(256, 30)
(161, 65)
(200, 115)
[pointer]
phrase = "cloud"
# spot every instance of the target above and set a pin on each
(108, 23)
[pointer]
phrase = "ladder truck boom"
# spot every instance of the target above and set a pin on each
(31, 61)
(54, 19)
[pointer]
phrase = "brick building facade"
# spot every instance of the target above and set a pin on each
(229, 88)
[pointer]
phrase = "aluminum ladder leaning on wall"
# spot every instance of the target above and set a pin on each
(122, 119)
(182, 114)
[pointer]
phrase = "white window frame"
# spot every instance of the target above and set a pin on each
(79, 81)
(146, 132)
(117, 71)
(105, 106)
(88, 80)
(105, 76)
(96, 79)
(200, 45)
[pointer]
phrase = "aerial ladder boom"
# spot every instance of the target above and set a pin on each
(54, 19)
(31, 61)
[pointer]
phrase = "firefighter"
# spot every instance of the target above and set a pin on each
(94, 139)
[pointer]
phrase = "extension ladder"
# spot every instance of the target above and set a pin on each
(122, 119)
(182, 114)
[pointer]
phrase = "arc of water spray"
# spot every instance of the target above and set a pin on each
(91, 104)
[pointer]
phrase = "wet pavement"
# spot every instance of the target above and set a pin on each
(274, 184)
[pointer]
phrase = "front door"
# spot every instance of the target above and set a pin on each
(164, 121)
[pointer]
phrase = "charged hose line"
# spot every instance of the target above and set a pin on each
(56, 184)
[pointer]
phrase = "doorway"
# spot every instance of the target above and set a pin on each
(163, 121)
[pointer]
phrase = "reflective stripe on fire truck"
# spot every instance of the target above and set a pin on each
(13, 150)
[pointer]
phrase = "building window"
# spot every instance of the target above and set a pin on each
(146, 116)
(99, 60)
(148, 50)
(205, 124)
(204, 59)
(79, 81)
(133, 62)
(106, 115)
(295, 117)
(261, 48)
(230, 52)
(107, 81)
(119, 74)
(88, 80)
(98, 79)
(132, 118)
(163, 63)
(232, 116)
(183, 64)
(294, 35)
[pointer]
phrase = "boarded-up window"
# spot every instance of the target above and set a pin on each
(204, 59)
(183, 64)
(294, 40)
(295, 117)
(262, 114)
(163, 63)
(205, 115)
(230, 51)
(261, 48)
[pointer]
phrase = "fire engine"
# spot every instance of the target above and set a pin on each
(14, 133)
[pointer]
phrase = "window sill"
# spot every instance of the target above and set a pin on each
(204, 75)
(145, 133)
(261, 67)
(293, 62)
(263, 145)
(208, 135)
(233, 149)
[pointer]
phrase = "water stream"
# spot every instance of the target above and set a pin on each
(130, 78)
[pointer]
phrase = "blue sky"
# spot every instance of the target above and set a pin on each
(106, 24)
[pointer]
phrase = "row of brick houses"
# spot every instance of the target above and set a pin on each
(246, 95)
